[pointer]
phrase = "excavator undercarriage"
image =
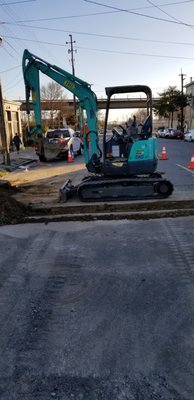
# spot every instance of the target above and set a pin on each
(100, 188)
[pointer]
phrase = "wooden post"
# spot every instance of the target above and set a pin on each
(5, 147)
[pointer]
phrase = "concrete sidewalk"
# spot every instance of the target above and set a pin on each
(25, 156)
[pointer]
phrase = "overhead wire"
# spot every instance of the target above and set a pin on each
(100, 13)
(13, 15)
(58, 30)
(112, 36)
(9, 32)
(136, 54)
(101, 35)
(13, 79)
(139, 14)
(13, 48)
(8, 10)
(120, 52)
(12, 86)
(164, 12)
(32, 33)
(18, 1)
(106, 36)
(5, 49)
(10, 69)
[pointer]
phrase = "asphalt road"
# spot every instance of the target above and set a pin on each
(176, 169)
(97, 310)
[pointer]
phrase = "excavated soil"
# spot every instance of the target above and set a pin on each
(39, 202)
(11, 211)
(33, 196)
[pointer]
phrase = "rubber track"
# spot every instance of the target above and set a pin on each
(95, 182)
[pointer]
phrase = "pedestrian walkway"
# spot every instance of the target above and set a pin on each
(24, 157)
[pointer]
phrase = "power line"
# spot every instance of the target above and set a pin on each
(4, 48)
(124, 52)
(12, 86)
(137, 54)
(164, 12)
(17, 2)
(10, 69)
(13, 48)
(100, 13)
(63, 30)
(13, 80)
(13, 15)
(139, 14)
(10, 13)
(104, 36)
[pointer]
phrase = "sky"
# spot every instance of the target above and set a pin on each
(117, 42)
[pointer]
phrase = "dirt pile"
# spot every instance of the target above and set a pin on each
(11, 211)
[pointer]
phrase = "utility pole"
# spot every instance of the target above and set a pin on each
(5, 147)
(182, 107)
(71, 51)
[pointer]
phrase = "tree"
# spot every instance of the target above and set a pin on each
(141, 115)
(71, 119)
(171, 100)
(53, 93)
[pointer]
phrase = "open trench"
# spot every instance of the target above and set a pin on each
(40, 203)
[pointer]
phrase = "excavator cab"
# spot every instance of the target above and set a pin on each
(129, 158)
(130, 150)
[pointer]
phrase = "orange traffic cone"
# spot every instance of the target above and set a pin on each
(164, 154)
(70, 156)
(191, 165)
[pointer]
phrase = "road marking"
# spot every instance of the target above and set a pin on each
(187, 169)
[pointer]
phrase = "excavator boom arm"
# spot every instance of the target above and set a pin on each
(32, 65)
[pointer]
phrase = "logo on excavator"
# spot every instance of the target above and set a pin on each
(139, 152)
(69, 84)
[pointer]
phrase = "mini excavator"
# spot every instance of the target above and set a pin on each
(126, 168)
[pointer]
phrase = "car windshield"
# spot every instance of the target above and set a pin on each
(58, 134)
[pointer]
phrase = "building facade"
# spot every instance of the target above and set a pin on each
(12, 117)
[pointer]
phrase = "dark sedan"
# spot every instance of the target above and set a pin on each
(177, 134)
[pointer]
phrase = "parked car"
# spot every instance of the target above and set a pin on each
(170, 133)
(57, 143)
(164, 133)
(159, 132)
(189, 136)
(177, 134)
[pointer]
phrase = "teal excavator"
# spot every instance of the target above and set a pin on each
(126, 168)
